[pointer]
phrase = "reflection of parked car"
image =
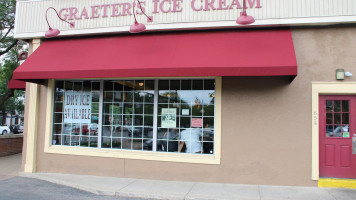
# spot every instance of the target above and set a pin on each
(4, 130)
(147, 145)
(73, 130)
(135, 131)
(76, 129)
(93, 129)
(169, 142)
(18, 129)
(208, 132)
(138, 131)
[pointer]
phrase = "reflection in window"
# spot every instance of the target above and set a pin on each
(337, 118)
(127, 114)
(186, 116)
(76, 112)
(121, 114)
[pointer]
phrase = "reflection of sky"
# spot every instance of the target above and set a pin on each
(189, 96)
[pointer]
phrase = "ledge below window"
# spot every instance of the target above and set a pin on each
(112, 153)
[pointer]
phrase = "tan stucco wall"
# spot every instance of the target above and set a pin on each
(266, 124)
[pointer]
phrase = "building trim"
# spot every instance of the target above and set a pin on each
(324, 88)
(30, 165)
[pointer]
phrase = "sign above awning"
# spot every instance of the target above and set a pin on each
(214, 53)
(94, 17)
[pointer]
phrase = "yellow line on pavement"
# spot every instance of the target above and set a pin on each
(337, 183)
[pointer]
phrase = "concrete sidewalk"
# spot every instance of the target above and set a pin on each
(10, 166)
(153, 189)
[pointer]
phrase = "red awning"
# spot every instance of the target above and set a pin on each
(208, 53)
(16, 84)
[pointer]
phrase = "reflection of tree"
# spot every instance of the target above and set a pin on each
(95, 108)
(209, 110)
(171, 97)
(198, 106)
(212, 96)
(116, 109)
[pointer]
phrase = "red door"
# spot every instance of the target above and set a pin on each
(337, 130)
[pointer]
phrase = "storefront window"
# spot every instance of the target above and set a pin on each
(127, 114)
(144, 115)
(76, 113)
(186, 116)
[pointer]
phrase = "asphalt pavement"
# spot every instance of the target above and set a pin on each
(20, 188)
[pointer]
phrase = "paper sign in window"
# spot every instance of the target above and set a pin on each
(77, 107)
(197, 122)
(169, 118)
(346, 134)
(185, 111)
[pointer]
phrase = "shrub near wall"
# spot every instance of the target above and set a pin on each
(10, 144)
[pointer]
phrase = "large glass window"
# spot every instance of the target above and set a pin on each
(76, 113)
(145, 115)
(127, 114)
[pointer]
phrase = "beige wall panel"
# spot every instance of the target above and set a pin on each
(321, 51)
(266, 136)
(266, 124)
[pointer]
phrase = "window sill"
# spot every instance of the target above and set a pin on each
(127, 154)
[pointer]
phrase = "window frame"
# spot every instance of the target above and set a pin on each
(131, 154)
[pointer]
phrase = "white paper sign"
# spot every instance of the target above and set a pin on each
(77, 107)
(185, 111)
(169, 118)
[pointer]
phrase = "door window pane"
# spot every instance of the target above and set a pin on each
(337, 118)
(337, 106)
(345, 118)
(345, 106)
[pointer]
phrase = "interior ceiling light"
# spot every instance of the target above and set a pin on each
(139, 27)
(53, 32)
(244, 19)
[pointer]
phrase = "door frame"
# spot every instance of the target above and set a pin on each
(324, 88)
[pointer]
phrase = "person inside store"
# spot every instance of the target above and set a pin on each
(191, 138)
